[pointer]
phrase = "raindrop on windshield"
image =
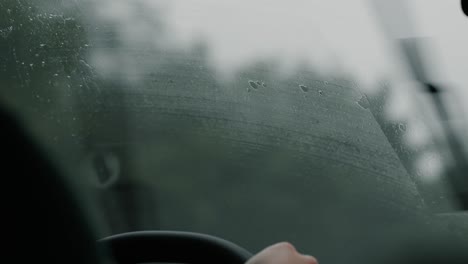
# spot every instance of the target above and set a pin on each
(363, 102)
(86, 64)
(304, 88)
(402, 127)
(253, 84)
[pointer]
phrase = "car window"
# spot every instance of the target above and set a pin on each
(256, 122)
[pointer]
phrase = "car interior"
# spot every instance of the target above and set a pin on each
(148, 156)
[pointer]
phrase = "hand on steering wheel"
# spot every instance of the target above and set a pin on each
(186, 247)
(281, 253)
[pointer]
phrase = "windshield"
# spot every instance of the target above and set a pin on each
(257, 121)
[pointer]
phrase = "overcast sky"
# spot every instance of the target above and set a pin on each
(323, 32)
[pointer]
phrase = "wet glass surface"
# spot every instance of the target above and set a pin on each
(255, 122)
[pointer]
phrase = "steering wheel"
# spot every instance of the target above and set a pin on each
(172, 246)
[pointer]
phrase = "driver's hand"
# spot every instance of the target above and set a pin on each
(281, 253)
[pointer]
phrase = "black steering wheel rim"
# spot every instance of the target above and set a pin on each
(172, 246)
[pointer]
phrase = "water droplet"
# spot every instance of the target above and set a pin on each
(8, 11)
(6, 31)
(56, 74)
(68, 76)
(304, 88)
(86, 64)
(253, 84)
(402, 127)
(363, 102)
(31, 65)
(37, 55)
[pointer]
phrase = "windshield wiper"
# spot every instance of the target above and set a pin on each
(411, 52)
